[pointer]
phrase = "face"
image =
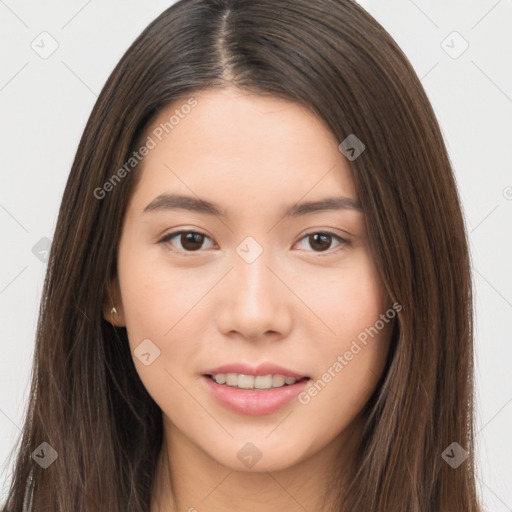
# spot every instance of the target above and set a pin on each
(250, 284)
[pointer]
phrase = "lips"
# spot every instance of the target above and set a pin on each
(254, 402)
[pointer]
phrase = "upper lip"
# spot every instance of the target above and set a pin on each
(262, 369)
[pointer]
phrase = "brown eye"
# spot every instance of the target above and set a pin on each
(320, 241)
(190, 241)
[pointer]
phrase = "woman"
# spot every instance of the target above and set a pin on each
(258, 294)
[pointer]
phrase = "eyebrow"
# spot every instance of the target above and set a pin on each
(180, 202)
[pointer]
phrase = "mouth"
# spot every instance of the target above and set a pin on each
(255, 382)
(254, 395)
(254, 390)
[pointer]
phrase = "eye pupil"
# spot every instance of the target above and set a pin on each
(191, 241)
(316, 240)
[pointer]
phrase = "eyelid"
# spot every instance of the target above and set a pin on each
(343, 242)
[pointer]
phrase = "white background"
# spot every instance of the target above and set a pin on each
(45, 103)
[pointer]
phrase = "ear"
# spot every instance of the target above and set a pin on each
(113, 300)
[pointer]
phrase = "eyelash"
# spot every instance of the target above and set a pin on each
(343, 242)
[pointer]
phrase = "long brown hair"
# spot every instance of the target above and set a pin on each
(87, 401)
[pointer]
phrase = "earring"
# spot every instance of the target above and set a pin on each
(113, 311)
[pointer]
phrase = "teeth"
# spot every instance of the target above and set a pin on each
(253, 382)
(246, 381)
(231, 379)
(263, 382)
(278, 381)
(220, 378)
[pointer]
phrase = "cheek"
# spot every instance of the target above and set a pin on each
(350, 360)
(156, 302)
(154, 296)
(349, 306)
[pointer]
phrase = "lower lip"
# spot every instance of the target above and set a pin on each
(251, 402)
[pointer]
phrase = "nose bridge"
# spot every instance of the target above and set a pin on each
(253, 303)
(252, 279)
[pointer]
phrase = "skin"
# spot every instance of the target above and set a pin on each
(299, 305)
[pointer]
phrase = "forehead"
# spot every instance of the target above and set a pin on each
(234, 145)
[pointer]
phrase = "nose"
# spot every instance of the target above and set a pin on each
(254, 303)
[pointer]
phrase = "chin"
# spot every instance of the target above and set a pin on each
(258, 454)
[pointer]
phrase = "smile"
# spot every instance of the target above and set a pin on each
(258, 382)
